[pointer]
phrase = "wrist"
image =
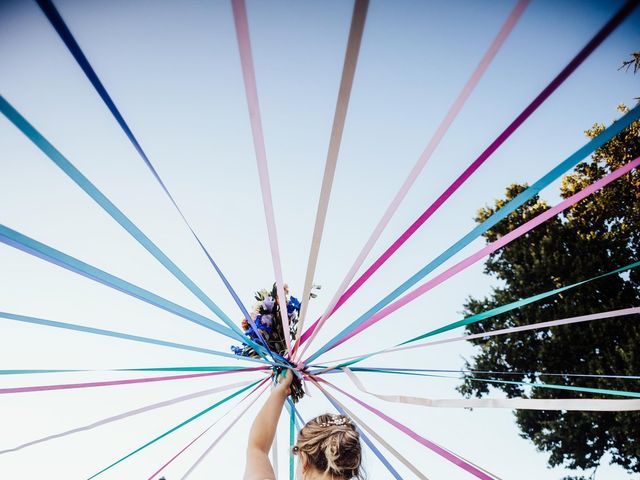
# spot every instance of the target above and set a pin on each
(282, 392)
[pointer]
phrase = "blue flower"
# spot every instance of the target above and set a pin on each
(293, 305)
(237, 350)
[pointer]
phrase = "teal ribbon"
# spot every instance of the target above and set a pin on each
(292, 440)
(509, 207)
(90, 189)
(498, 310)
(517, 304)
(180, 425)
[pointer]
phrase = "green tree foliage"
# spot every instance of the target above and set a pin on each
(594, 236)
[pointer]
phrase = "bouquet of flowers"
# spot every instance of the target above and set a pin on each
(267, 317)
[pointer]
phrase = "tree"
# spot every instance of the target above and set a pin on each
(594, 236)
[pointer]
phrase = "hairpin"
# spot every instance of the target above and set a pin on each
(336, 421)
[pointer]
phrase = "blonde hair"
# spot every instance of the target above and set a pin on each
(331, 444)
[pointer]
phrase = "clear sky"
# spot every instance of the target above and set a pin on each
(173, 70)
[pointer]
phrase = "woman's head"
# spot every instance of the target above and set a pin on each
(330, 445)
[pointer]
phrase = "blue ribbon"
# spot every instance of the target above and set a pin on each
(83, 182)
(65, 34)
(38, 249)
(124, 336)
(483, 227)
(370, 444)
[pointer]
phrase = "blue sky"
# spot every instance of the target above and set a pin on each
(173, 70)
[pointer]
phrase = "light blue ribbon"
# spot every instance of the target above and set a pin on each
(483, 227)
(90, 189)
(124, 336)
(33, 247)
(370, 444)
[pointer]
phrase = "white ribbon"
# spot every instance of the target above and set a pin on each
(348, 72)
(579, 404)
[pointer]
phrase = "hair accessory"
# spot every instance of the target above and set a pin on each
(336, 421)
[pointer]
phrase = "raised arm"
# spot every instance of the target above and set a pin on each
(263, 431)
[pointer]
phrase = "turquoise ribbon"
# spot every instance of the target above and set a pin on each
(123, 336)
(180, 425)
(498, 310)
(292, 440)
(509, 207)
(90, 189)
(517, 304)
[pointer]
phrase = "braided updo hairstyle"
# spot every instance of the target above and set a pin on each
(331, 444)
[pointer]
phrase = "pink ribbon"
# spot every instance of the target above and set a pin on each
(504, 331)
(490, 248)
(341, 295)
(127, 414)
(251, 89)
(446, 454)
(217, 440)
(152, 476)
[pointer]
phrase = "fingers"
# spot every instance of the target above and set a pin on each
(285, 378)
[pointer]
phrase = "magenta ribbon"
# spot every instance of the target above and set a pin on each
(110, 383)
(490, 248)
(611, 25)
(443, 452)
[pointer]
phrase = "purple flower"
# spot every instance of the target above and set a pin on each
(267, 319)
(268, 304)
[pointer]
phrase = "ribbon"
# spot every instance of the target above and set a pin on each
(358, 19)
(177, 427)
(391, 449)
(65, 34)
(369, 319)
(412, 371)
(251, 89)
(124, 415)
(342, 293)
(274, 451)
(28, 372)
(548, 90)
(292, 440)
(172, 459)
(598, 391)
(446, 454)
(124, 336)
(343, 411)
(291, 407)
(111, 383)
(498, 310)
(220, 437)
(579, 404)
(33, 247)
(90, 189)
